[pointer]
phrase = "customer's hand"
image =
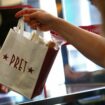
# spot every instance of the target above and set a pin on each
(37, 18)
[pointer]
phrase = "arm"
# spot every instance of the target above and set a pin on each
(89, 44)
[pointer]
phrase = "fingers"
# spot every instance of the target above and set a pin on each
(26, 18)
(35, 18)
(33, 24)
(25, 12)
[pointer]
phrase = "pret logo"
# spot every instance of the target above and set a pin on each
(18, 63)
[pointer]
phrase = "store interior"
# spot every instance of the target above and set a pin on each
(59, 89)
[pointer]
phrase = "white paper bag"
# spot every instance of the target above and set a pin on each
(21, 63)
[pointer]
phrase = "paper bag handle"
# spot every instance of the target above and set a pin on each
(20, 26)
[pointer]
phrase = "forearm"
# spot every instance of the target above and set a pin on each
(90, 44)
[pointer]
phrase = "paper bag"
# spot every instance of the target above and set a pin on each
(25, 64)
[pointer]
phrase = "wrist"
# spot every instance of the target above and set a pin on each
(56, 24)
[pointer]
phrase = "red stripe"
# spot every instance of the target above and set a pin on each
(46, 67)
(17, 6)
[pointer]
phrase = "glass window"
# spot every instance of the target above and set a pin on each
(80, 12)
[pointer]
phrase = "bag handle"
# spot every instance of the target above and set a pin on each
(20, 26)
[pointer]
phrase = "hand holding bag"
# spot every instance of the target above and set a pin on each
(25, 64)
